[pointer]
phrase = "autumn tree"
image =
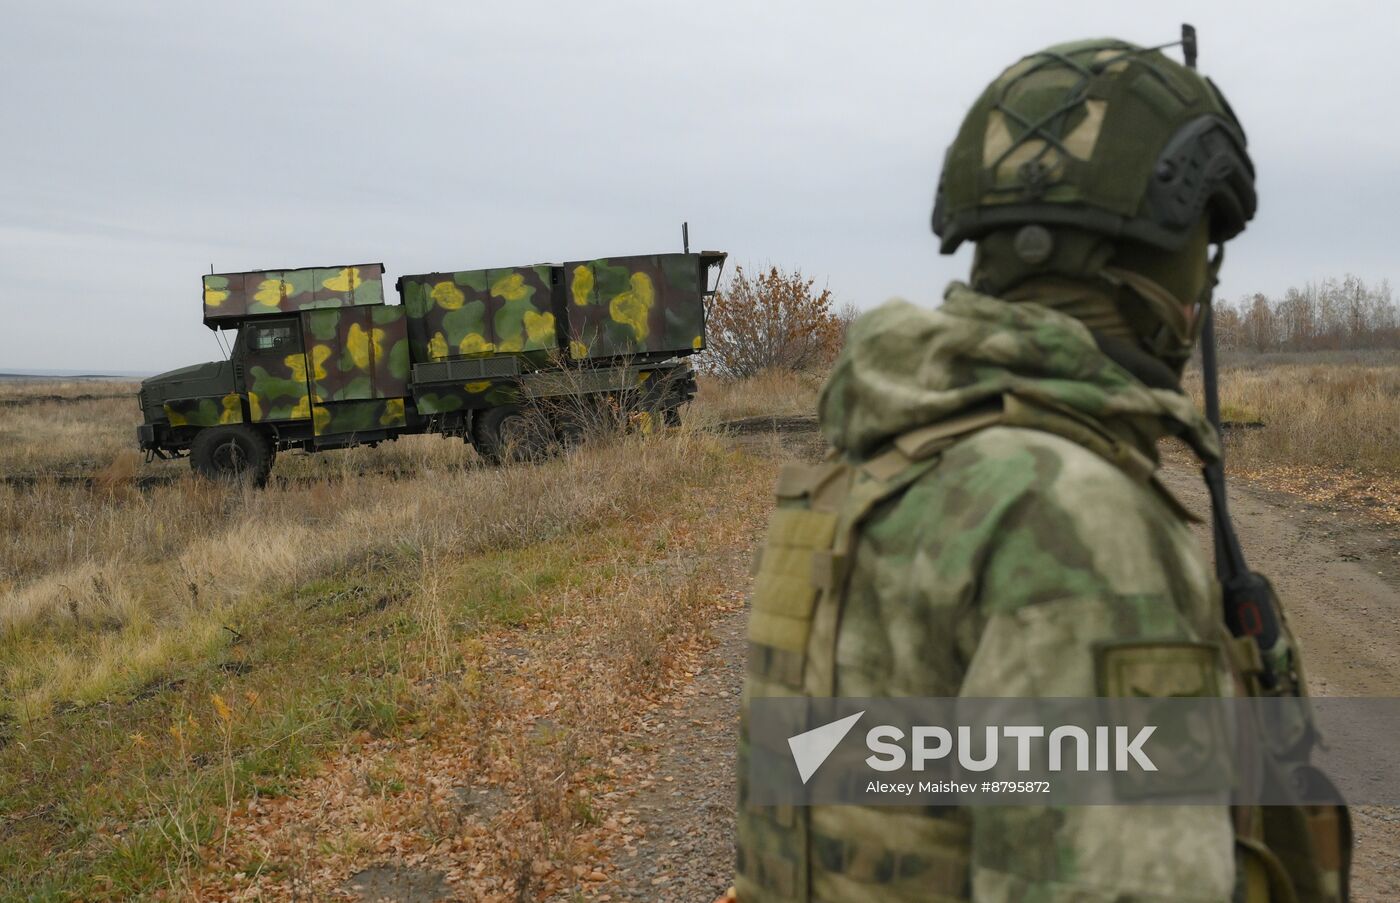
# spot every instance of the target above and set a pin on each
(1332, 314)
(774, 320)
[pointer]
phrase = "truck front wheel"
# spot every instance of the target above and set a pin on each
(235, 453)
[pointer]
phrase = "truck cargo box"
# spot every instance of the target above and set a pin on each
(628, 306)
(232, 297)
(472, 313)
(645, 306)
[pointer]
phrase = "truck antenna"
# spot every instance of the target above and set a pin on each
(685, 236)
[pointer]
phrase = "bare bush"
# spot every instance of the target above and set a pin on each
(772, 321)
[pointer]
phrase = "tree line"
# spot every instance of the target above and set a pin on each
(1330, 315)
(778, 319)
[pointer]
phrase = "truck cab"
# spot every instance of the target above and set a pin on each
(318, 361)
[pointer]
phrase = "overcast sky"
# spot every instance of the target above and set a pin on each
(144, 142)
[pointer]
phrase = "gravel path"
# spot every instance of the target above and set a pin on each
(687, 850)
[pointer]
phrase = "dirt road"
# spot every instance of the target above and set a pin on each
(1339, 577)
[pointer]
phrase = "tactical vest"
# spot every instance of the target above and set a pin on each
(1283, 854)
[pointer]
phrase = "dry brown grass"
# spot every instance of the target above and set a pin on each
(1329, 412)
(105, 591)
(352, 596)
(106, 584)
(64, 427)
(780, 392)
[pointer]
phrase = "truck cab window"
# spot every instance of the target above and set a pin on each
(280, 337)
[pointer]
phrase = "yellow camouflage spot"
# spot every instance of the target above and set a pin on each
(634, 305)
(478, 387)
(347, 280)
(297, 363)
(539, 327)
(254, 406)
(214, 297)
(358, 342)
(437, 347)
(176, 418)
(393, 413)
(302, 409)
(447, 296)
(697, 343)
(577, 349)
(645, 425)
(583, 285)
(233, 410)
(511, 288)
(514, 343)
(321, 418)
(475, 343)
(643, 377)
(271, 292)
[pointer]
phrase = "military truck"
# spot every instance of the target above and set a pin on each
(511, 360)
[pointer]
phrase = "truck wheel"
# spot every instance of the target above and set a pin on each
(509, 434)
(236, 453)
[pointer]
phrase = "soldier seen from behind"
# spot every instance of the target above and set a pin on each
(990, 522)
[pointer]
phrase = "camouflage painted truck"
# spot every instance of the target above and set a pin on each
(511, 360)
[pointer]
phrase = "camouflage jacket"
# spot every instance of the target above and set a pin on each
(995, 572)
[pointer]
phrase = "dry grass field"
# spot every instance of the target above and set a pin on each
(170, 646)
(172, 652)
(1325, 425)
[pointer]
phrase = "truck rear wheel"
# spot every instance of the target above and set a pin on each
(236, 453)
(509, 433)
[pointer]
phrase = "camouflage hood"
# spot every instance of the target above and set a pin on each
(905, 367)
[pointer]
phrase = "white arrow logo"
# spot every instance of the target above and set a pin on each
(811, 748)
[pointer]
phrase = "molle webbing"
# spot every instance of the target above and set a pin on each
(799, 585)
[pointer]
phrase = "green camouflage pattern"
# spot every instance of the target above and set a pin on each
(278, 380)
(973, 349)
(359, 380)
(341, 417)
(995, 571)
(480, 312)
(204, 411)
(230, 297)
(624, 306)
(362, 353)
(441, 398)
(348, 370)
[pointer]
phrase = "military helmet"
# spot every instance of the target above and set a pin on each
(1100, 135)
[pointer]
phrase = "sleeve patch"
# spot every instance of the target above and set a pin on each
(1163, 669)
